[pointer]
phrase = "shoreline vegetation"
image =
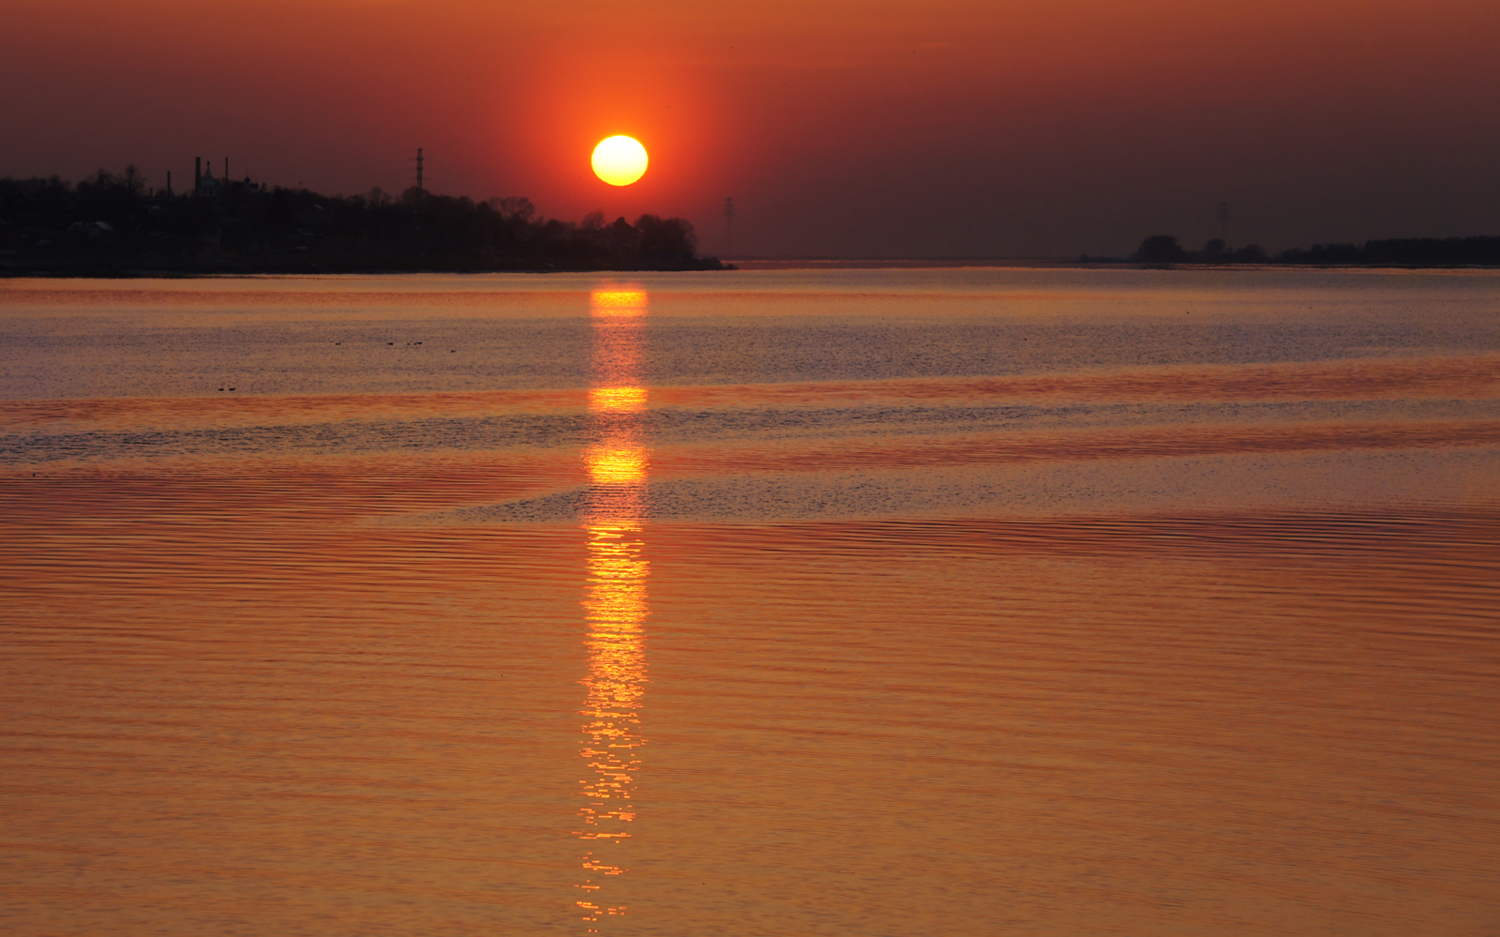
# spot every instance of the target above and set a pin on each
(114, 226)
(1164, 249)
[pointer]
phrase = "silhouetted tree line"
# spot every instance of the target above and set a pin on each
(1415, 252)
(1420, 252)
(112, 224)
(1165, 249)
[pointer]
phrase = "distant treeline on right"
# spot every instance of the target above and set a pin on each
(1397, 252)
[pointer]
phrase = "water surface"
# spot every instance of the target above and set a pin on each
(898, 602)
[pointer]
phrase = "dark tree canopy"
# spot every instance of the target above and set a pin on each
(110, 224)
(1402, 252)
(1160, 249)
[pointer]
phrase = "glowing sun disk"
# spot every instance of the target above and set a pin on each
(619, 160)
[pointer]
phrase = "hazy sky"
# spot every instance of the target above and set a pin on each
(841, 128)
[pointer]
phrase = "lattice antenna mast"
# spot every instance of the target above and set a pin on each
(729, 227)
(419, 167)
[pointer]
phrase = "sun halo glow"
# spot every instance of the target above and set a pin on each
(619, 160)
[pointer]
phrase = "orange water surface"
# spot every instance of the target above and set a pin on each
(872, 602)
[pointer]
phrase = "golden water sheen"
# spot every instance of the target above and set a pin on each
(782, 604)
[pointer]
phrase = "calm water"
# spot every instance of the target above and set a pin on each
(875, 602)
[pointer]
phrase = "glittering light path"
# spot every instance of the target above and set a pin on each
(615, 602)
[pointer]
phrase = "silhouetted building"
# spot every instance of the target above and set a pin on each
(206, 187)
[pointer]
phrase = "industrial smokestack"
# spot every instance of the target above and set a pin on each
(197, 175)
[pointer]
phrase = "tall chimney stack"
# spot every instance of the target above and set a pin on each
(197, 175)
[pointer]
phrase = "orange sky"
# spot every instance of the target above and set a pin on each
(940, 128)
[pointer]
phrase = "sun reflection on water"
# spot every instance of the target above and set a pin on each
(617, 399)
(615, 601)
(616, 465)
(618, 302)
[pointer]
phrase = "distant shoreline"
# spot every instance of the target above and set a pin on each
(143, 274)
(823, 263)
(742, 264)
(112, 226)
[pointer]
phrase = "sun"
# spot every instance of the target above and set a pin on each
(619, 160)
